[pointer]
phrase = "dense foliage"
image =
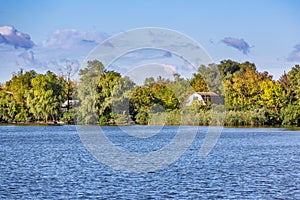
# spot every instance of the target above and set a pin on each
(32, 97)
(106, 97)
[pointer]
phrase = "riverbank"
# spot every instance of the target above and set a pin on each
(296, 128)
(34, 123)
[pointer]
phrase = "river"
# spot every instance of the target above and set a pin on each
(51, 162)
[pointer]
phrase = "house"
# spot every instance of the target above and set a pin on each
(204, 98)
(72, 103)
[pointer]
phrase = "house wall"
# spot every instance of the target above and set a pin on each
(193, 97)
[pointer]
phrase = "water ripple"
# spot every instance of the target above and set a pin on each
(52, 163)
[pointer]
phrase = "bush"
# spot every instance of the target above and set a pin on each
(68, 117)
(254, 117)
(142, 118)
(291, 115)
(122, 119)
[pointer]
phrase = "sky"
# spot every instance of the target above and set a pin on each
(50, 34)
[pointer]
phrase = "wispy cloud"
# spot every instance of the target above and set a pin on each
(10, 36)
(65, 46)
(148, 54)
(295, 54)
(27, 55)
(68, 38)
(139, 73)
(239, 44)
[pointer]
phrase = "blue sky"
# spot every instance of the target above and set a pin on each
(49, 34)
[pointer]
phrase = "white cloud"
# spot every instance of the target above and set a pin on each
(10, 36)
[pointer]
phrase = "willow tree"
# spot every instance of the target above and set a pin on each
(46, 96)
(87, 92)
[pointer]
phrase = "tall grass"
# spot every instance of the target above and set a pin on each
(256, 117)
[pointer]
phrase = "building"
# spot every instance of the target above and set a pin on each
(72, 103)
(204, 98)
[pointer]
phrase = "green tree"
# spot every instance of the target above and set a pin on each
(243, 89)
(104, 97)
(120, 100)
(141, 102)
(291, 115)
(166, 96)
(198, 83)
(181, 88)
(19, 86)
(227, 68)
(270, 97)
(8, 107)
(290, 83)
(149, 82)
(213, 78)
(45, 97)
(87, 92)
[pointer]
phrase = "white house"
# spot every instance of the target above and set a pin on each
(203, 98)
(72, 103)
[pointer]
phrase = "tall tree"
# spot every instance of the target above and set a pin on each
(19, 86)
(213, 78)
(87, 92)
(181, 88)
(227, 68)
(8, 107)
(166, 96)
(45, 97)
(271, 98)
(120, 100)
(243, 88)
(141, 102)
(290, 82)
(104, 97)
(198, 83)
(69, 87)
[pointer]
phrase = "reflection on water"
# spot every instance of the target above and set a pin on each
(52, 163)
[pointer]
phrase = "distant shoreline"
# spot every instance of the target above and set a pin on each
(34, 124)
(66, 124)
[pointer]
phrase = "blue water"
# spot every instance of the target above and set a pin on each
(51, 162)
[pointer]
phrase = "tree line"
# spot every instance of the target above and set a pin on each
(33, 97)
(108, 98)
